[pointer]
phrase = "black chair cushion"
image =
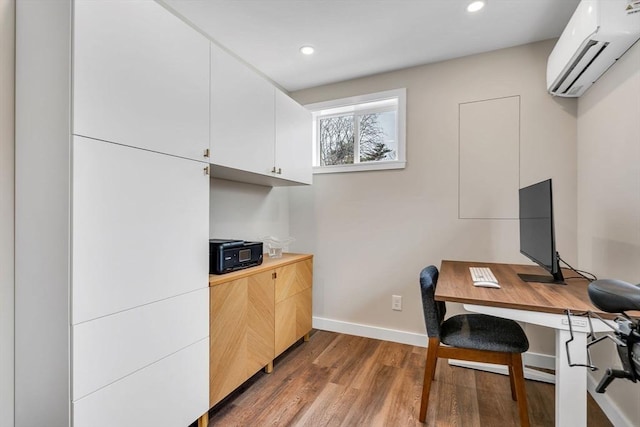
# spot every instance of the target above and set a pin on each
(483, 332)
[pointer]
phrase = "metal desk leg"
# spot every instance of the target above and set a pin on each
(571, 382)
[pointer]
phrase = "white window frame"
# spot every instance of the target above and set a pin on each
(351, 104)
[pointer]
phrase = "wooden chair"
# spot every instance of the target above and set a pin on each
(471, 337)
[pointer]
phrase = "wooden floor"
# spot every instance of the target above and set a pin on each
(343, 380)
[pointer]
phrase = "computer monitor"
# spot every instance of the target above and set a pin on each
(537, 235)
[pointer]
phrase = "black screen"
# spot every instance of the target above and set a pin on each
(537, 238)
(536, 224)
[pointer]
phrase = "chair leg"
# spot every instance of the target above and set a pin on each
(429, 372)
(521, 392)
(512, 383)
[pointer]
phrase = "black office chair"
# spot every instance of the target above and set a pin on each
(472, 337)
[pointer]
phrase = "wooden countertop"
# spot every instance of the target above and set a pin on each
(455, 285)
(267, 264)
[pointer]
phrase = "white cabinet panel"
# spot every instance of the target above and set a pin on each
(140, 77)
(128, 341)
(172, 392)
(242, 115)
(293, 140)
(140, 227)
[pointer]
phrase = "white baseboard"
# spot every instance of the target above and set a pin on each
(529, 374)
(419, 340)
(367, 331)
(608, 405)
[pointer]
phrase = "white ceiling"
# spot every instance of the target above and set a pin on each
(355, 38)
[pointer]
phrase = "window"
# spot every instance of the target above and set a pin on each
(359, 133)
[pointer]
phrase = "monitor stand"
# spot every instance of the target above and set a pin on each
(536, 278)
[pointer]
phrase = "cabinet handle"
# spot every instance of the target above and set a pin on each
(207, 171)
(274, 275)
(273, 170)
(206, 153)
(279, 171)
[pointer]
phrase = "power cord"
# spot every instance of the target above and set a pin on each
(591, 277)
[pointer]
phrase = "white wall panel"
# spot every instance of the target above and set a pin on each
(42, 212)
(140, 226)
(7, 182)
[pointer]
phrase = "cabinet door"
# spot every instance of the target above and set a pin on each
(140, 78)
(140, 228)
(292, 320)
(241, 331)
(242, 116)
(293, 315)
(293, 140)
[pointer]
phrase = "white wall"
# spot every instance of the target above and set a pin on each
(247, 211)
(372, 232)
(609, 196)
(7, 87)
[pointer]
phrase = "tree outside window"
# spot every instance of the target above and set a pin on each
(360, 133)
(375, 133)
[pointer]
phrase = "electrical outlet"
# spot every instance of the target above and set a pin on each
(396, 302)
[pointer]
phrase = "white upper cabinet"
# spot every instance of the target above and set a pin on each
(293, 140)
(258, 134)
(140, 78)
(242, 112)
(140, 227)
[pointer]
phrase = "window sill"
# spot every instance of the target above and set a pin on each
(359, 167)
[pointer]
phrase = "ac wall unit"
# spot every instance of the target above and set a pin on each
(599, 32)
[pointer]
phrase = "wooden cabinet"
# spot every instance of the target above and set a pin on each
(256, 314)
(140, 78)
(241, 331)
(293, 303)
(258, 133)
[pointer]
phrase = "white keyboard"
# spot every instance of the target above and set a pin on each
(482, 274)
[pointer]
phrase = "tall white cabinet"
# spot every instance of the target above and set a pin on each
(112, 207)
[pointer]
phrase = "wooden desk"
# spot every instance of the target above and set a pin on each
(455, 285)
(539, 304)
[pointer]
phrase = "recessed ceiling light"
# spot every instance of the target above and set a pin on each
(475, 6)
(307, 50)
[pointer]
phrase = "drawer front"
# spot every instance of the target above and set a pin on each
(171, 392)
(107, 349)
(293, 278)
